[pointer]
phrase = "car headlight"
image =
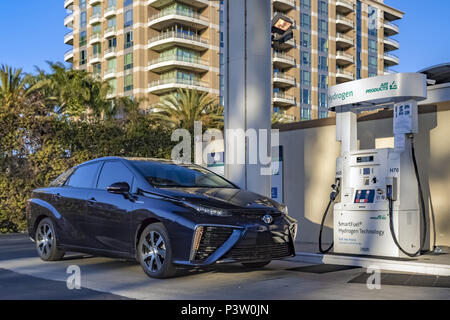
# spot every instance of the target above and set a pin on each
(284, 209)
(218, 212)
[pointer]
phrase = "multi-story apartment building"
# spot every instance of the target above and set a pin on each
(334, 41)
(149, 48)
(146, 48)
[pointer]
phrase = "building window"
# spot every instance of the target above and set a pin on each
(83, 38)
(128, 20)
(83, 58)
(323, 45)
(112, 86)
(128, 82)
(128, 61)
(96, 49)
(82, 4)
(127, 2)
(112, 22)
(323, 7)
(372, 45)
(305, 4)
(112, 42)
(306, 78)
(306, 97)
(323, 100)
(306, 58)
(96, 29)
(96, 10)
(305, 114)
(112, 3)
(129, 39)
(97, 69)
(83, 19)
(305, 21)
(372, 61)
(323, 81)
(323, 114)
(112, 65)
(306, 40)
(323, 26)
(323, 63)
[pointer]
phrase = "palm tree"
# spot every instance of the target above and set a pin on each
(14, 87)
(182, 108)
(75, 92)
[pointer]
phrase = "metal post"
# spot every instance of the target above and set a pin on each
(248, 86)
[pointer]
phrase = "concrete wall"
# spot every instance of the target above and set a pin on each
(310, 150)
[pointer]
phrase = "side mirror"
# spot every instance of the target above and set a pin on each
(119, 188)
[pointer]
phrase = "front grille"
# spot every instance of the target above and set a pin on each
(212, 239)
(262, 252)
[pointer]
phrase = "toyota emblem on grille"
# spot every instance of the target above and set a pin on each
(267, 219)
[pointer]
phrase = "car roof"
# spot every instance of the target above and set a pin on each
(128, 159)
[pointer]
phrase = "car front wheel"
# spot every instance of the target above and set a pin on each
(45, 239)
(154, 252)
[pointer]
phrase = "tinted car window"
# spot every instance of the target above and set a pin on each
(84, 176)
(112, 172)
(61, 178)
(166, 175)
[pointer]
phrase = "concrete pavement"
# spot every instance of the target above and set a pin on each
(116, 279)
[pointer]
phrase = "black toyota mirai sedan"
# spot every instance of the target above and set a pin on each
(162, 214)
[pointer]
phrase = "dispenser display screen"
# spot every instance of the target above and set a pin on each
(364, 196)
(366, 171)
(364, 159)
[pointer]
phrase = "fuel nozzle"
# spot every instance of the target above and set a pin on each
(335, 189)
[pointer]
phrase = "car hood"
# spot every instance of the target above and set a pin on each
(227, 198)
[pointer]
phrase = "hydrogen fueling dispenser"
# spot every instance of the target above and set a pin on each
(381, 211)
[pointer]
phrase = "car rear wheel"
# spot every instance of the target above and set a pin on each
(255, 265)
(154, 252)
(46, 243)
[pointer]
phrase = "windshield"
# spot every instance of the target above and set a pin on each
(168, 175)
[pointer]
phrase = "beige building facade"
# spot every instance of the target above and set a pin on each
(149, 48)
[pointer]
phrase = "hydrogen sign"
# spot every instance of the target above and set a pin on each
(368, 92)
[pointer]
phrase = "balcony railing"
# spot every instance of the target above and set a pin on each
(392, 40)
(343, 36)
(175, 57)
(189, 82)
(344, 18)
(189, 14)
(392, 26)
(110, 30)
(110, 10)
(343, 72)
(95, 16)
(281, 75)
(391, 55)
(95, 56)
(285, 96)
(179, 35)
(283, 56)
(110, 50)
(343, 54)
(344, 5)
(68, 54)
(68, 36)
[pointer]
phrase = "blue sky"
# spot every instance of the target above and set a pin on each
(33, 32)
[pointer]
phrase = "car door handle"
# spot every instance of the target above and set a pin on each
(92, 200)
(57, 196)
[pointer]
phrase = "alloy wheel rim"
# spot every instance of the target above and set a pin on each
(45, 239)
(153, 251)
